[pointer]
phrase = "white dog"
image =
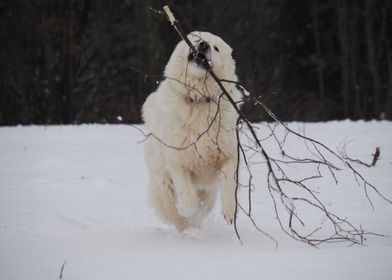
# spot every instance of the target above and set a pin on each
(192, 148)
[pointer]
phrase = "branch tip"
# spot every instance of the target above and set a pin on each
(169, 14)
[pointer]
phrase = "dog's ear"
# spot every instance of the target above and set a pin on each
(227, 49)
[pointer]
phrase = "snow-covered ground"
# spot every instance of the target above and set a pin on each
(77, 195)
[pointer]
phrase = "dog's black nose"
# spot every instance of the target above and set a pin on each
(203, 47)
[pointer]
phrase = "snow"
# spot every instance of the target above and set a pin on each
(77, 195)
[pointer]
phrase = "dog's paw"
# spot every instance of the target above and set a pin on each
(229, 214)
(229, 219)
(187, 207)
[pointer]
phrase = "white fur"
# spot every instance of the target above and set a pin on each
(189, 153)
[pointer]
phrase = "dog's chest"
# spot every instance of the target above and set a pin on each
(211, 141)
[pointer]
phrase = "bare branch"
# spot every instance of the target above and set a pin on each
(278, 179)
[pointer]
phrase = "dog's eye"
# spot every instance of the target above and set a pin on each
(216, 48)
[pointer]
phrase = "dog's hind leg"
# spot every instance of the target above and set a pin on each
(163, 200)
(187, 201)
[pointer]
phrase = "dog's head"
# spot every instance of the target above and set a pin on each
(187, 65)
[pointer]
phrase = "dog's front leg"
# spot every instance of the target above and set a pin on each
(228, 191)
(186, 195)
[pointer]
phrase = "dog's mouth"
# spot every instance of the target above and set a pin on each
(198, 58)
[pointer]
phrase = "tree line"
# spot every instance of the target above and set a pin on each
(78, 61)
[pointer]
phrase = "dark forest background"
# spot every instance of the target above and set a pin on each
(74, 61)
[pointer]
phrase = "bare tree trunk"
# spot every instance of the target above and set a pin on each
(353, 60)
(53, 96)
(344, 55)
(387, 46)
(373, 65)
(68, 69)
(389, 95)
(142, 21)
(320, 62)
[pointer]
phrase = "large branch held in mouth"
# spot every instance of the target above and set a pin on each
(343, 229)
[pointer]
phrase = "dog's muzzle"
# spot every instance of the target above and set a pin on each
(203, 47)
(199, 56)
